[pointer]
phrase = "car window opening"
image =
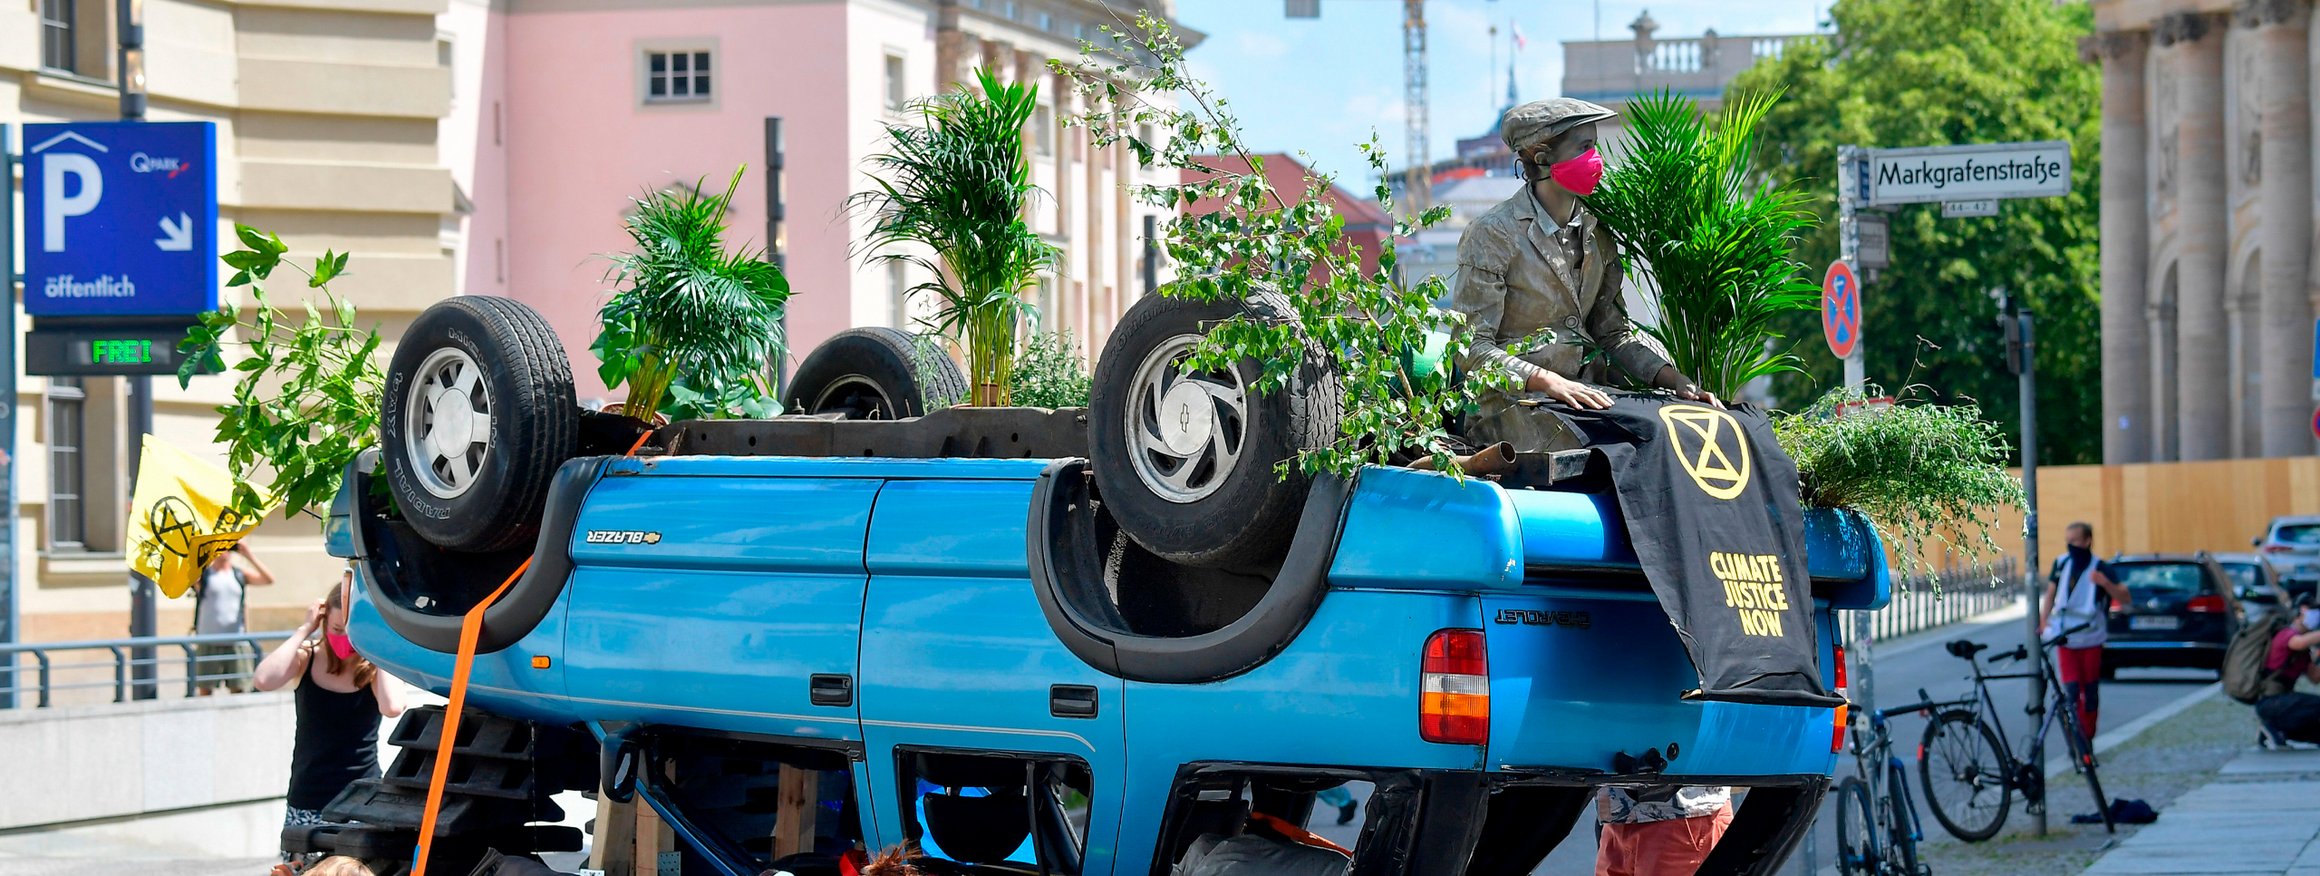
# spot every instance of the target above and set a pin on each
(789, 808)
(998, 814)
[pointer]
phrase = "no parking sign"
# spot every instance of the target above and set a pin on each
(1841, 309)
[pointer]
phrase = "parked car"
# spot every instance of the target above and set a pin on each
(2255, 583)
(2181, 611)
(2292, 545)
(839, 635)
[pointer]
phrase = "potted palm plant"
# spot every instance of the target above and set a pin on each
(692, 329)
(950, 198)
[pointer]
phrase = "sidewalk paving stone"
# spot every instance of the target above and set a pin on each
(2257, 815)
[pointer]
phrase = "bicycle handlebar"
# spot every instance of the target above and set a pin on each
(2022, 652)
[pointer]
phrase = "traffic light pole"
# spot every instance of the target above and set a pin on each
(2022, 359)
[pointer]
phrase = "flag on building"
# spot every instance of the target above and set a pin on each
(1515, 28)
(181, 515)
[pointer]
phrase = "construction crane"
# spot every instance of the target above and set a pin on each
(1418, 180)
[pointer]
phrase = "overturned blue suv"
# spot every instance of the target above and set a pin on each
(1110, 640)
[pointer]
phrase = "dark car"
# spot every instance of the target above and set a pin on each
(2256, 583)
(2181, 611)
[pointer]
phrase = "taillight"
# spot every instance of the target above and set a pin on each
(2277, 548)
(1844, 712)
(2207, 604)
(1454, 705)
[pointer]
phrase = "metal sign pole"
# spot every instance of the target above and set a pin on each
(2030, 577)
(144, 609)
(1863, 677)
(9, 598)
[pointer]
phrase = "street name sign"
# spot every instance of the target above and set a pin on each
(120, 219)
(1982, 171)
(1841, 309)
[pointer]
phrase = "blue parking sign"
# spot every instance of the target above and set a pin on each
(120, 219)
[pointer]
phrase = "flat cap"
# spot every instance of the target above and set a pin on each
(1542, 120)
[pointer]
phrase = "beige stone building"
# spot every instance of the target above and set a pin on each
(2207, 205)
(328, 114)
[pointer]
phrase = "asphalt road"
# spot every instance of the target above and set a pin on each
(1920, 661)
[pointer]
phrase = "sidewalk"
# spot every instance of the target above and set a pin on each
(2259, 815)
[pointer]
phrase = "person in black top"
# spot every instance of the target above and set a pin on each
(340, 699)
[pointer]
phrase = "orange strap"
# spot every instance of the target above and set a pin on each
(1287, 831)
(470, 630)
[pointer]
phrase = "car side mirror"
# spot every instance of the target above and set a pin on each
(2258, 541)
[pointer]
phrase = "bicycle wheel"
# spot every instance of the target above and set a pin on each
(1901, 826)
(1856, 830)
(1963, 766)
(2082, 760)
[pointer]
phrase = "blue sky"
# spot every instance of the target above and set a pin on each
(1322, 85)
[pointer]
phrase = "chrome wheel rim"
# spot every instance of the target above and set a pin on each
(447, 423)
(1186, 428)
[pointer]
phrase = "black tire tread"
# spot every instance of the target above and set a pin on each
(1853, 805)
(939, 378)
(1900, 841)
(1925, 773)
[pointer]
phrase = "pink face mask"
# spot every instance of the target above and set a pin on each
(1580, 174)
(340, 645)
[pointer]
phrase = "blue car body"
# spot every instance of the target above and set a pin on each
(705, 591)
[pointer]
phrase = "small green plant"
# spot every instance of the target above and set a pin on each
(692, 329)
(1049, 373)
(1362, 324)
(306, 394)
(1689, 211)
(957, 184)
(1921, 471)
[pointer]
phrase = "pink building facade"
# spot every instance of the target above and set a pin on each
(565, 110)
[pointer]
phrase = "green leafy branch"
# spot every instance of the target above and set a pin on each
(307, 391)
(1236, 238)
(1923, 472)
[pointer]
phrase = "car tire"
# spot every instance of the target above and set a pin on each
(1206, 493)
(874, 374)
(497, 362)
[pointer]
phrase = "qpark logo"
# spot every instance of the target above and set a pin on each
(1709, 445)
(622, 536)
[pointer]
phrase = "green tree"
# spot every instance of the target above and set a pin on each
(1901, 73)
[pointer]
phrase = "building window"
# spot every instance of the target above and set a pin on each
(1007, 9)
(672, 77)
(56, 34)
(1046, 21)
(897, 87)
(1043, 130)
(68, 519)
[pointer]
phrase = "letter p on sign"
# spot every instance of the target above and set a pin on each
(55, 205)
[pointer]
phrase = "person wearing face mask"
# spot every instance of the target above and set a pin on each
(2283, 710)
(2080, 592)
(340, 698)
(1540, 285)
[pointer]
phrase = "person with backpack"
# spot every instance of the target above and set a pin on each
(221, 605)
(2283, 710)
(2080, 593)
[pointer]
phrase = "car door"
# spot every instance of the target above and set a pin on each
(711, 599)
(957, 655)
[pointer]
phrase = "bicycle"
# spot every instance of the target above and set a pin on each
(1859, 823)
(1969, 771)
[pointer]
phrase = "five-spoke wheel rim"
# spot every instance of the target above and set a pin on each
(447, 423)
(1186, 428)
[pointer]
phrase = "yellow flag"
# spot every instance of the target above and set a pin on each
(180, 516)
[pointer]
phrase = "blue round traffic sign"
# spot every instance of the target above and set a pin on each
(1841, 309)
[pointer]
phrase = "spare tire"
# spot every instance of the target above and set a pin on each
(874, 374)
(1187, 461)
(478, 412)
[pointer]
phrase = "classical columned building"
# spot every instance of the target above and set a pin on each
(2207, 201)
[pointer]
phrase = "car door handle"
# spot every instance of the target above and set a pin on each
(1071, 701)
(830, 689)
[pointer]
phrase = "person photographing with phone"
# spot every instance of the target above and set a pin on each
(221, 605)
(340, 698)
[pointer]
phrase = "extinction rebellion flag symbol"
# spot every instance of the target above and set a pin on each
(1711, 508)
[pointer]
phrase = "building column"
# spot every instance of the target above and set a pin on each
(2191, 48)
(2284, 205)
(2126, 245)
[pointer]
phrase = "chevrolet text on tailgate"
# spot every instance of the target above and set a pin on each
(990, 633)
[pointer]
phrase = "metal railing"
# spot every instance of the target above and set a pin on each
(49, 676)
(1956, 593)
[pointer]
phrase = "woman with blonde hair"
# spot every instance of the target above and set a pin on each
(340, 698)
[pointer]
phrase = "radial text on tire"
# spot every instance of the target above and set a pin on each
(1186, 460)
(477, 414)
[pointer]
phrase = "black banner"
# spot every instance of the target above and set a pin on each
(1711, 507)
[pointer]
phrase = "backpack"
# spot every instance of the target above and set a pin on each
(2243, 660)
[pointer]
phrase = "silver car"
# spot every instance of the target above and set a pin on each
(2292, 546)
(2254, 582)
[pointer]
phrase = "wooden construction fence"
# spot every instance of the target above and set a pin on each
(2168, 507)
